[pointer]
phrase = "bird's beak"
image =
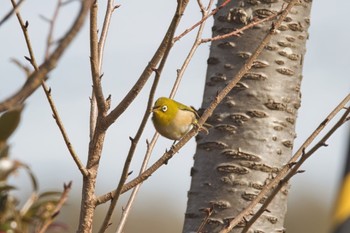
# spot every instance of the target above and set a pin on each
(154, 108)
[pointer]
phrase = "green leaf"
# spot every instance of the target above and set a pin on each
(9, 122)
(32, 178)
(50, 194)
(5, 188)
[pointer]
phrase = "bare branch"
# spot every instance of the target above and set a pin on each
(127, 208)
(64, 133)
(100, 50)
(48, 90)
(201, 6)
(94, 62)
(10, 13)
(201, 21)
(59, 205)
(34, 80)
(25, 68)
(107, 20)
(240, 30)
(51, 28)
(48, 94)
(208, 213)
(195, 45)
(24, 27)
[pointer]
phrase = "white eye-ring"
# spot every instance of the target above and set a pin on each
(164, 108)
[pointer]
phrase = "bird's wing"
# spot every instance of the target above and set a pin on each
(187, 108)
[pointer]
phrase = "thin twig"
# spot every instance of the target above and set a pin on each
(25, 68)
(195, 45)
(51, 28)
(10, 13)
(48, 90)
(94, 62)
(134, 143)
(64, 133)
(100, 50)
(24, 27)
(208, 212)
(213, 12)
(127, 208)
(106, 22)
(239, 31)
(35, 79)
(48, 94)
(95, 71)
(58, 207)
(201, 7)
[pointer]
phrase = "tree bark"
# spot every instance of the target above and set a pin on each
(254, 126)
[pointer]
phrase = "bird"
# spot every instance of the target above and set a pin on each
(172, 119)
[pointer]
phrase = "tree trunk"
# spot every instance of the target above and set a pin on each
(254, 126)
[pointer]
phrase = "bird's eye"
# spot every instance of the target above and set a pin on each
(164, 108)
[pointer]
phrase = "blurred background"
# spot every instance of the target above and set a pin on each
(135, 32)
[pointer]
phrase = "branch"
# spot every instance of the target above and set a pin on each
(66, 139)
(208, 212)
(100, 51)
(94, 62)
(34, 80)
(46, 89)
(195, 45)
(242, 29)
(213, 12)
(97, 118)
(59, 205)
(127, 208)
(107, 20)
(10, 13)
(51, 28)
(24, 27)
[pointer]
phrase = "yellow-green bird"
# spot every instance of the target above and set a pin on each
(173, 119)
